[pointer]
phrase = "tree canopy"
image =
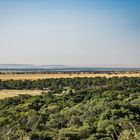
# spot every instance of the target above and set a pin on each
(72, 109)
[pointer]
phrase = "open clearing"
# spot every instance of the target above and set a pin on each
(59, 75)
(12, 93)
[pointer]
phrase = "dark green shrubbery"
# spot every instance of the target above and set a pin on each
(73, 109)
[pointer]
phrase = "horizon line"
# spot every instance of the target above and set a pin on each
(79, 65)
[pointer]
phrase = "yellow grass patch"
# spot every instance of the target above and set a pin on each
(12, 93)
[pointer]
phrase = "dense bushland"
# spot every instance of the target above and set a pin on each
(72, 109)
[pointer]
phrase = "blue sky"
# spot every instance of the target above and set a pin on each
(72, 32)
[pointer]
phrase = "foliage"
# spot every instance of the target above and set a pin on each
(73, 109)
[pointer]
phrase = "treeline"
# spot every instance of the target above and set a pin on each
(91, 109)
(68, 72)
(63, 72)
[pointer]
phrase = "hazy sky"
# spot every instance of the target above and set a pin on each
(73, 32)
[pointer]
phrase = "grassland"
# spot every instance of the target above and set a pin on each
(36, 76)
(12, 93)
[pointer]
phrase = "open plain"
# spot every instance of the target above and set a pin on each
(37, 76)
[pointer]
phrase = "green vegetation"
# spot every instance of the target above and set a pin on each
(72, 109)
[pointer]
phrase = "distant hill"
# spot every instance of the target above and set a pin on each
(27, 67)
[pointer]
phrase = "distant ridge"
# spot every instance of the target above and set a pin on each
(28, 66)
(32, 68)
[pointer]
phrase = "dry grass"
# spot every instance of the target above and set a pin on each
(12, 93)
(47, 76)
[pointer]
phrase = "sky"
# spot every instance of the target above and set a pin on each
(70, 32)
